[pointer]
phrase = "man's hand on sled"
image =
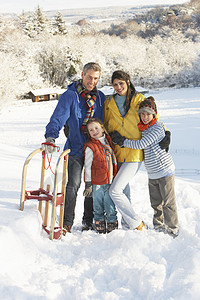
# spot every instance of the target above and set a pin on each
(49, 146)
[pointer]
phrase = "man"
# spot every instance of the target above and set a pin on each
(76, 106)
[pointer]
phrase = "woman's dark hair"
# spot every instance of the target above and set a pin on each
(121, 75)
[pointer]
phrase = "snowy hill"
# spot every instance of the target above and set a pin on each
(101, 14)
(121, 265)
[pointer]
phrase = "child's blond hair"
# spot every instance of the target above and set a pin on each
(95, 120)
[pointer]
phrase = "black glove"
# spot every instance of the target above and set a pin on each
(117, 138)
(66, 130)
(88, 189)
(164, 144)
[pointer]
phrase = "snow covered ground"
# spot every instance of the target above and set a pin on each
(121, 265)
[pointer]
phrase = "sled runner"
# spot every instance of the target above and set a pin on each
(43, 195)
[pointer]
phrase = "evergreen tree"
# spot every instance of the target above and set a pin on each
(40, 21)
(59, 24)
(34, 23)
(22, 20)
(29, 27)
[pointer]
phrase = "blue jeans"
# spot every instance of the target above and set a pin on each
(75, 167)
(104, 208)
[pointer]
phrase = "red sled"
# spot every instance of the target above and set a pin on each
(42, 195)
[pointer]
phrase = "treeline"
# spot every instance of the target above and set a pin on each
(37, 52)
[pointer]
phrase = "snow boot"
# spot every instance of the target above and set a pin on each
(86, 226)
(111, 226)
(160, 228)
(142, 226)
(67, 228)
(100, 226)
(173, 233)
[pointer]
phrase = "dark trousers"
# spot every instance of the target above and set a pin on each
(162, 197)
(75, 167)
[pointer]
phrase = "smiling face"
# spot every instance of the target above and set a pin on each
(95, 130)
(90, 79)
(146, 117)
(120, 87)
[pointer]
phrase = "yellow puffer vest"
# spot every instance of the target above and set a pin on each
(126, 126)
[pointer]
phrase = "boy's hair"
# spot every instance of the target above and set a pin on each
(95, 120)
(92, 66)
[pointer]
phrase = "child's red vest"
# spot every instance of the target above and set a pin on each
(99, 169)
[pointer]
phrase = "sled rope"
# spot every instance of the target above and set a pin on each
(49, 159)
(49, 164)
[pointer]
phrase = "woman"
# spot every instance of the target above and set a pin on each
(120, 114)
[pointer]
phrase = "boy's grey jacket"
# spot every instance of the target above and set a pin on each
(158, 162)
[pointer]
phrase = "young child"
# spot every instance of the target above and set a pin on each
(159, 166)
(100, 168)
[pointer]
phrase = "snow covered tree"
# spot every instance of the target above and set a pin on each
(57, 61)
(34, 24)
(27, 24)
(195, 2)
(59, 24)
(41, 22)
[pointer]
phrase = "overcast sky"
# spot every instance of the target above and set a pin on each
(17, 6)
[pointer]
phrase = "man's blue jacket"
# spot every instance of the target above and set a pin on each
(71, 110)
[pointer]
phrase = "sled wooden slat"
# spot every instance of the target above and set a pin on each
(63, 155)
(42, 179)
(46, 214)
(24, 173)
